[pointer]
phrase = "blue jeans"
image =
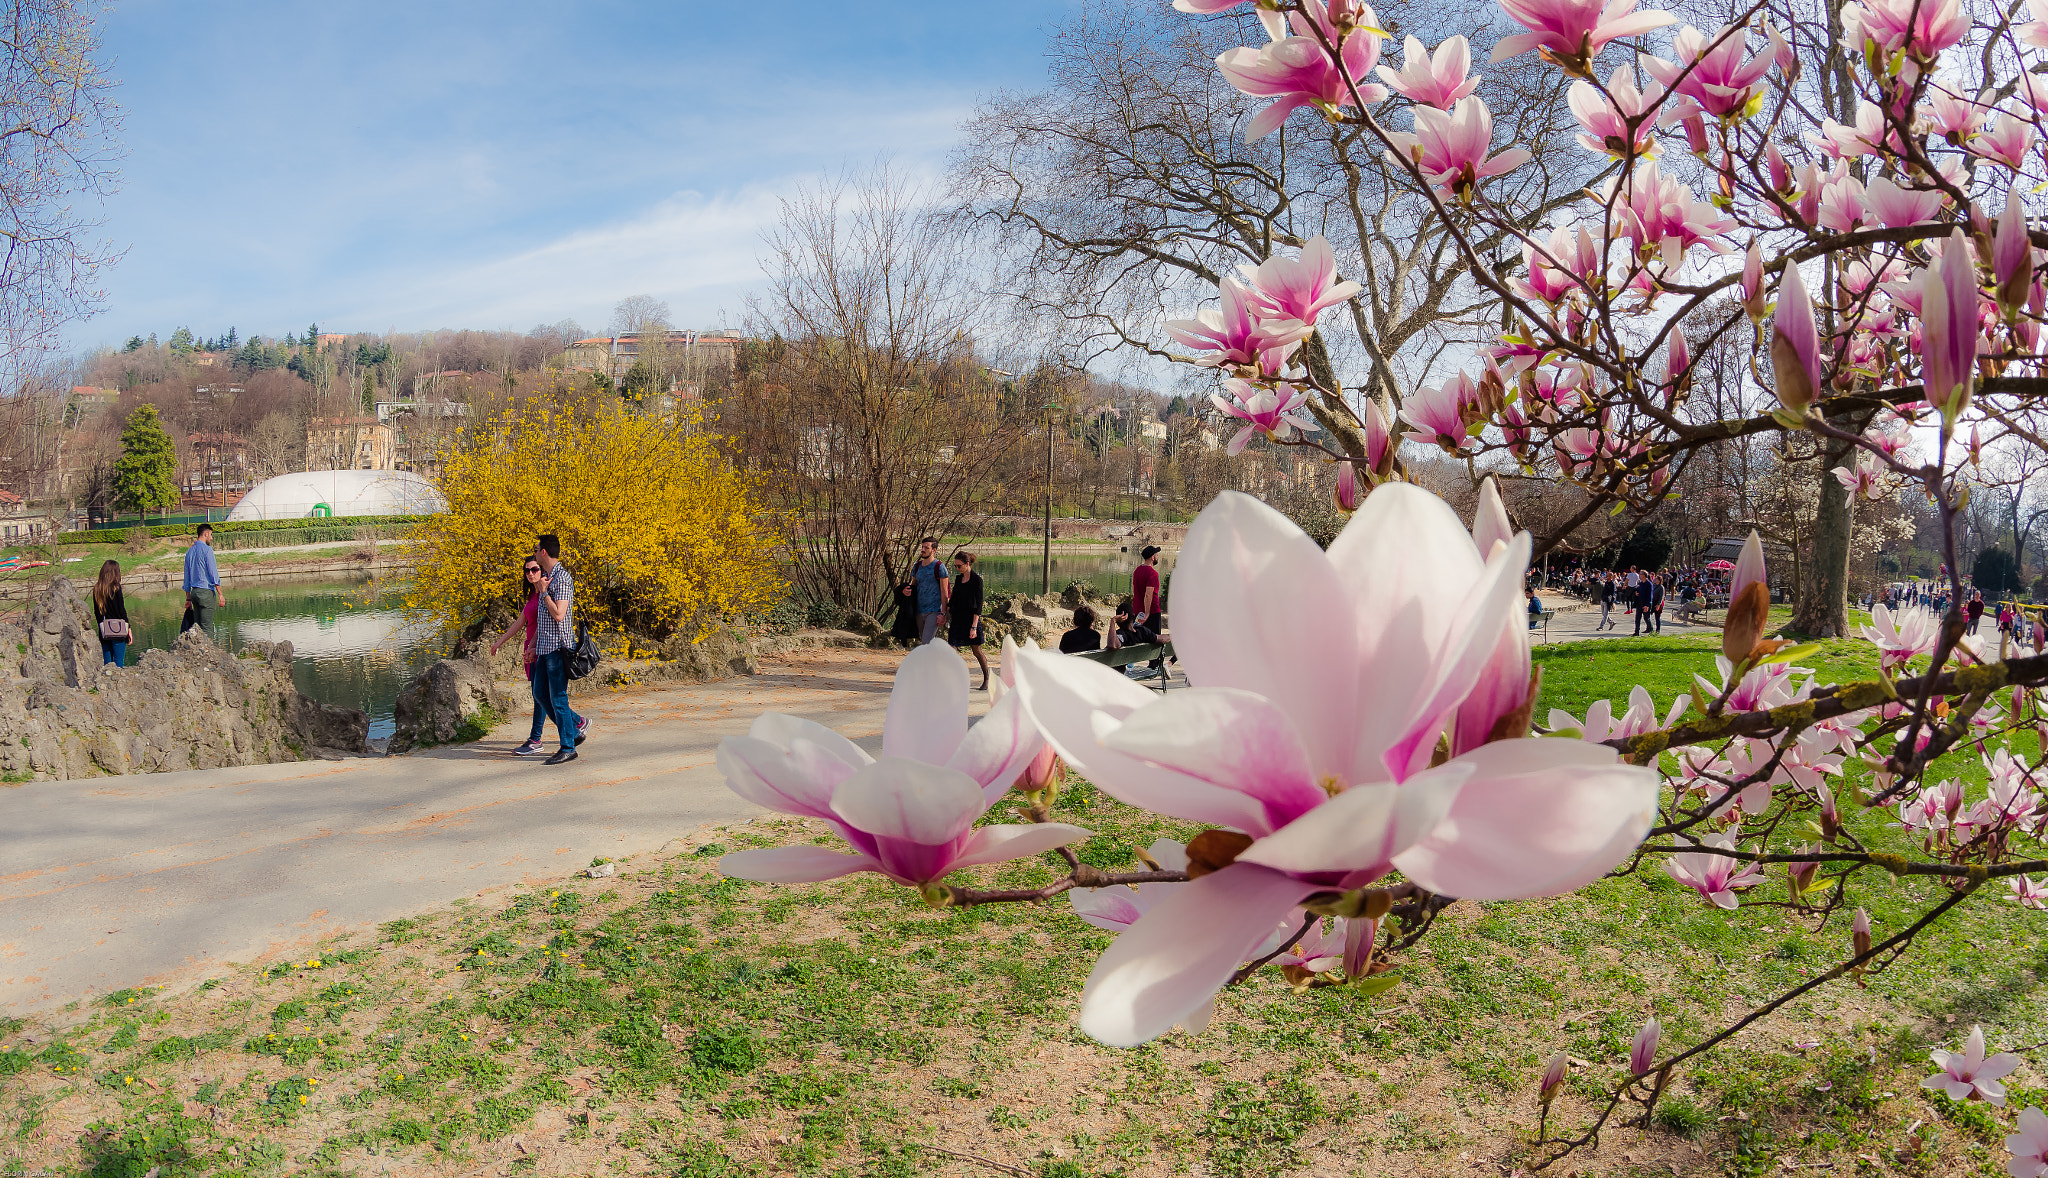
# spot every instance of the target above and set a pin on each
(539, 686)
(553, 668)
(114, 652)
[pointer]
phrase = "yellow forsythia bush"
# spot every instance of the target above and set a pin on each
(658, 529)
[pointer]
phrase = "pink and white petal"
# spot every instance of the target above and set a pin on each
(1362, 829)
(927, 715)
(898, 798)
(1405, 561)
(997, 844)
(1467, 651)
(1230, 739)
(782, 730)
(1997, 1067)
(1170, 965)
(1115, 909)
(999, 747)
(1170, 855)
(1490, 524)
(1241, 561)
(1077, 703)
(798, 781)
(794, 864)
(1538, 817)
(1198, 1021)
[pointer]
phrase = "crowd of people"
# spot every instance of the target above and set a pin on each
(929, 601)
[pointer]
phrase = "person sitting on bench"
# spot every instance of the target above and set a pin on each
(1535, 608)
(1083, 636)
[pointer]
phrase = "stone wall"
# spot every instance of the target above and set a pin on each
(63, 715)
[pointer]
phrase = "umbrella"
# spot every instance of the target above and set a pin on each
(1720, 566)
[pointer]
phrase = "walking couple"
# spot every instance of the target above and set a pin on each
(955, 602)
(548, 623)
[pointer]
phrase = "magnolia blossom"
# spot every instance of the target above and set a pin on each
(1841, 203)
(1300, 288)
(1274, 412)
(1922, 27)
(1320, 753)
(1896, 207)
(1863, 479)
(1438, 414)
(1573, 32)
(1953, 115)
(1438, 80)
(1720, 81)
(1602, 725)
(1298, 72)
(2027, 893)
(1642, 1051)
(1450, 147)
(1901, 635)
(909, 814)
(1868, 136)
(1606, 117)
(2029, 1146)
(1714, 876)
(1968, 1075)
(2008, 141)
(1234, 332)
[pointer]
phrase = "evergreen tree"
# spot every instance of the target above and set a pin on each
(144, 475)
(181, 341)
(229, 343)
(369, 391)
(312, 335)
(134, 344)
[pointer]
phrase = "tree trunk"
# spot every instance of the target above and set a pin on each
(1822, 610)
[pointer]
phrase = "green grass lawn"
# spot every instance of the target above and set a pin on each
(674, 1022)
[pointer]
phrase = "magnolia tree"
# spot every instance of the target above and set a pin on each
(1885, 276)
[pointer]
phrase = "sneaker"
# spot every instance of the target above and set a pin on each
(530, 748)
(582, 729)
(562, 756)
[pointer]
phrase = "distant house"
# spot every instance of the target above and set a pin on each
(329, 339)
(436, 384)
(350, 443)
(219, 460)
(21, 523)
(613, 355)
(87, 400)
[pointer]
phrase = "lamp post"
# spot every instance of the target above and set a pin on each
(1045, 563)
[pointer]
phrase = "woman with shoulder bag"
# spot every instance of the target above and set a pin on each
(110, 611)
(529, 623)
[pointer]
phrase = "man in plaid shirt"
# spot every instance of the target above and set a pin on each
(554, 641)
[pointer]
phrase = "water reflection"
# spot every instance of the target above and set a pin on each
(1109, 572)
(351, 646)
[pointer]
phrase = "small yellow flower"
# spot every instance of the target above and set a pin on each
(302, 1100)
(465, 1038)
(128, 1080)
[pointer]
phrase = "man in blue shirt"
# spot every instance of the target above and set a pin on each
(202, 579)
(555, 643)
(933, 588)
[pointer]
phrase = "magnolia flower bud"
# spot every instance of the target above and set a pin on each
(1795, 345)
(1749, 603)
(1754, 298)
(1553, 1079)
(1781, 172)
(1643, 1052)
(1859, 938)
(2012, 257)
(1830, 815)
(1347, 493)
(1799, 877)
(1696, 134)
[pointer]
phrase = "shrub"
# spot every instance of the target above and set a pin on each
(661, 533)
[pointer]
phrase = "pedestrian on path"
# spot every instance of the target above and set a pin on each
(1975, 609)
(202, 580)
(1641, 604)
(528, 629)
(110, 614)
(555, 641)
(1657, 600)
(929, 575)
(904, 628)
(963, 603)
(1605, 588)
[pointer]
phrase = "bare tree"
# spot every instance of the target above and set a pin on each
(1129, 184)
(57, 151)
(866, 409)
(640, 312)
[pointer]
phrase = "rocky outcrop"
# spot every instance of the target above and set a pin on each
(452, 700)
(195, 706)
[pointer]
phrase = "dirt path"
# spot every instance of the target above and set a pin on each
(158, 879)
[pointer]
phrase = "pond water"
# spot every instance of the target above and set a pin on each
(1109, 572)
(352, 647)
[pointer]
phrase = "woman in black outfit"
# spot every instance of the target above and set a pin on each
(109, 606)
(904, 628)
(965, 609)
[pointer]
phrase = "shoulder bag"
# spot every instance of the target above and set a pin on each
(584, 659)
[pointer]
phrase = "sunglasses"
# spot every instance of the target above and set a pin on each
(532, 569)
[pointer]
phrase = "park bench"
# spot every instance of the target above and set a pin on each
(1544, 620)
(1124, 656)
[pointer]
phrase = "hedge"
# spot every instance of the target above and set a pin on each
(317, 523)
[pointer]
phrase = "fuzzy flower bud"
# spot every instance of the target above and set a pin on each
(1643, 1052)
(1553, 1079)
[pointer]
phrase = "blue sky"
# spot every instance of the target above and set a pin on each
(449, 163)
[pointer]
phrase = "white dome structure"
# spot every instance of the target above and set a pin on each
(340, 492)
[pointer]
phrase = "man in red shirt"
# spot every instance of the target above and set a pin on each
(1145, 612)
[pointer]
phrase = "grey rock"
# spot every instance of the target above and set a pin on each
(434, 707)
